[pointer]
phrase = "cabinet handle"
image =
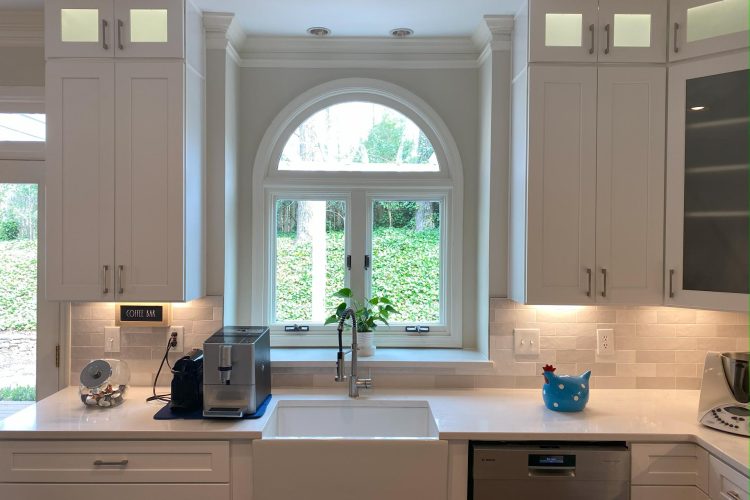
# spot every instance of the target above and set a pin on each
(105, 271)
(105, 24)
(120, 24)
(671, 283)
(676, 29)
(591, 29)
(733, 495)
(604, 276)
(120, 270)
(588, 273)
(118, 463)
(607, 30)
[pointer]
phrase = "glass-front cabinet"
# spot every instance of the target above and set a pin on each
(707, 184)
(107, 28)
(701, 27)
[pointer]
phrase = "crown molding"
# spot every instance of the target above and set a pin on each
(21, 28)
(223, 32)
(493, 33)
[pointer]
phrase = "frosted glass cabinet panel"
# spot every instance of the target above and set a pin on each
(700, 27)
(562, 30)
(707, 235)
(150, 28)
(78, 28)
(632, 31)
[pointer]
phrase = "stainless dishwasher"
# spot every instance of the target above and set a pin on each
(560, 471)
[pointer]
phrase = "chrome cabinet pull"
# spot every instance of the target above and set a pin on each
(588, 273)
(118, 463)
(591, 29)
(604, 275)
(734, 495)
(105, 271)
(105, 45)
(120, 270)
(607, 30)
(676, 29)
(671, 283)
(120, 24)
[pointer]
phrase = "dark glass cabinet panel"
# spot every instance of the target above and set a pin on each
(715, 247)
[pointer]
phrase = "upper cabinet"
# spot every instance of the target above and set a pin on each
(707, 183)
(114, 28)
(603, 30)
(701, 27)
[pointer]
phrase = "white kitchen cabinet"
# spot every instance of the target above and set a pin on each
(667, 493)
(702, 27)
(630, 184)
(707, 178)
(109, 28)
(115, 491)
(668, 471)
(591, 30)
(725, 483)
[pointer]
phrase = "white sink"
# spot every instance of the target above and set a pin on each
(357, 419)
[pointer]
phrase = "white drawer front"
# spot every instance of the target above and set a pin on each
(114, 491)
(114, 462)
(667, 493)
(725, 483)
(669, 464)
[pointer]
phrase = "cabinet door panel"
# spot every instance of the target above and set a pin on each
(22, 491)
(667, 493)
(707, 175)
(78, 28)
(725, 483)
(80, 180)
(700, 27)
(630, 184)
(562, 184)
(632, 31)
(562, 30)
(150, 28)
(149, 180)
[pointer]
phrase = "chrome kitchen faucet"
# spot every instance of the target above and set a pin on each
(354, 381)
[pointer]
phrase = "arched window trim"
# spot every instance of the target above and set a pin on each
(268, 181)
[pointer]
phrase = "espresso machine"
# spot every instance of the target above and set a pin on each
(724, 393)
(236, 371)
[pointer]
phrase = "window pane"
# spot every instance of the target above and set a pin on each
(563, 30)
(406, 257)
(79, 25)
(310, 258)
(148, 25)
(22, 127)
(358, 137)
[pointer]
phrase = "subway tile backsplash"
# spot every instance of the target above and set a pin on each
(655, 347)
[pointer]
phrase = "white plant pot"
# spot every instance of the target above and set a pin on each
(365, 344)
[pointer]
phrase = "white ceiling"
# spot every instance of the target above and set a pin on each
(347, 17)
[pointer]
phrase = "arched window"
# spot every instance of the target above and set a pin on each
(358, 184)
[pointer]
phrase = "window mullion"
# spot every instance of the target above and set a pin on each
(357, 232)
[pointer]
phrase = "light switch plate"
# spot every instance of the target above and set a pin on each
(111, 339)
(526, 341)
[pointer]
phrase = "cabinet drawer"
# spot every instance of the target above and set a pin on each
(114, 462)
(667, 493)
(114, 491)
(669, 464)
(725, 483)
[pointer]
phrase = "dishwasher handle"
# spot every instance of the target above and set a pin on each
(545, 471)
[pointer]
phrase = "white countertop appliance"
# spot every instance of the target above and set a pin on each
(724, 393)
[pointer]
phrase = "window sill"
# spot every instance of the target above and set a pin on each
(383, 358)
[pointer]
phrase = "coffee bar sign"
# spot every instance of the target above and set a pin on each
(142, 315)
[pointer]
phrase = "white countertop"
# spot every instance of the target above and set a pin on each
(482, 414)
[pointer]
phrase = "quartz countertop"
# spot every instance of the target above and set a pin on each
(480, 414)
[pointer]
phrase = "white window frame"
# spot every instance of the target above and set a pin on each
(359, 189)
(22, 100)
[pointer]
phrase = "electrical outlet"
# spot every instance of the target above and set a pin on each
(526, 341)
(605, 341)
(111, 339)
(180, 331)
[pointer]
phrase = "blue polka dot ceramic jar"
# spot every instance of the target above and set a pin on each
(565, 392)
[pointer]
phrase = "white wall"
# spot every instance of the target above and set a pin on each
(452, 93)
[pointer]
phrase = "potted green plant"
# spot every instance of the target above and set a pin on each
(368, 313)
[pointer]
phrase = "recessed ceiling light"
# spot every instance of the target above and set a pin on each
(697, 108)
(402, 32)
(318, 31)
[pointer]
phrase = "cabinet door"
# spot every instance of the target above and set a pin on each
(150, 28)
(78, 28)
(707, 179)
(561, 184)
(667, 493)
(700, 27)
(725, 483)
(562, 30)
(149, 180)
(22, 491)
(630, 184)
(80, 180)
(632, 31)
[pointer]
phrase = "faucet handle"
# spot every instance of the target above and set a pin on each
(364, 383)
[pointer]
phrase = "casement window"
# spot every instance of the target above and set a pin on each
(22, 123)
(357, 192)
